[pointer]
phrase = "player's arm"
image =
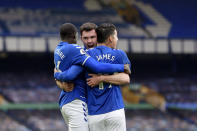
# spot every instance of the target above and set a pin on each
(90, 63)
(106, 68)
(65, 85)
(68, 75)
(94, 66)
(117, 79)
(80, 57)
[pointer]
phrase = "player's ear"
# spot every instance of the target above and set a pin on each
(110, 39)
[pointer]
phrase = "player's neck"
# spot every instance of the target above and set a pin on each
(70, 41)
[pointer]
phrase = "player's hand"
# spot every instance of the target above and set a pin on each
(68, 87)
(127, 69)
(94, 80)
(55, 70)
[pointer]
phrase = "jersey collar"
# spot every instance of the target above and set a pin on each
(63, 43)
(103, 46)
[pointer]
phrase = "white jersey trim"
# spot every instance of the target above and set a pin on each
(85, 60)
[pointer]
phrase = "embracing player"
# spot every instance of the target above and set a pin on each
(105, 103)
(65, 55)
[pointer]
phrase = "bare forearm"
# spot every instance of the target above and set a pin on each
(117, 79)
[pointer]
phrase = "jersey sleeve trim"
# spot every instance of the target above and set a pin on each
(85, 60)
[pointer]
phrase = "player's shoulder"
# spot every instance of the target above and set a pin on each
(72, 47)
(122, 54)
(119, 51)
(90, 50)
(66, 49)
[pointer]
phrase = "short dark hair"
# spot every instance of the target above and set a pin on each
(104, 31)
(88, 26)
(67, 31)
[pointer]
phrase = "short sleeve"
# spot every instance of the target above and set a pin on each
(78, 55)
(124, 57)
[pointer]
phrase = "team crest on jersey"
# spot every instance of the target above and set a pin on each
(83, 52)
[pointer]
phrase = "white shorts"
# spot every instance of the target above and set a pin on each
(112, 121)
(75, 115)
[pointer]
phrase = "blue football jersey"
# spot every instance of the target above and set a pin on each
(66, 55)
(105, 97)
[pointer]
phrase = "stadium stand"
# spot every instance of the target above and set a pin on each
(8, 124)
(149, 20)
(157, 121)
(42, 21)
(137, 120)
(38, 18)
(25, 84)
(180, 14)
(31, 120)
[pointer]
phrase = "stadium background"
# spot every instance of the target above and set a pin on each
(158, 36)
